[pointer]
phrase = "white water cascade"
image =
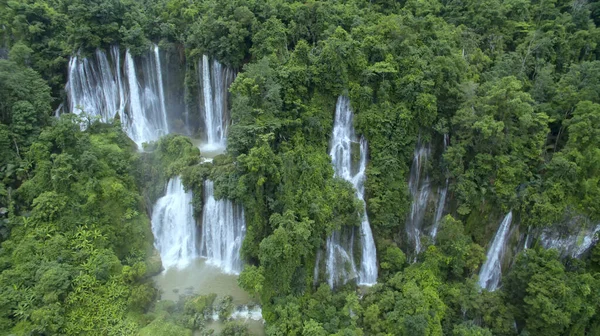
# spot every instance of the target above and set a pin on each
(243, 313)
(420, 188)
(98, 87)
(223, 231)
(174, 227)
(95, 86)
(439, 211)
(573, 244)
(215, 83)
(340, 262)
(491, 271)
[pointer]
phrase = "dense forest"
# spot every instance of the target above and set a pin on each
(479, 123)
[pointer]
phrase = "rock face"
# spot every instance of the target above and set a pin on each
(574, 237)
(223, 232)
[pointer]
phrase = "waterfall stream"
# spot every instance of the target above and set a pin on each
(174, 227)
(441, 203)
(223, 230)
(98, 87)
(491, 271)
(420, 188)
(215, 83)
(95, 86)
(340, 261)
(573, 244)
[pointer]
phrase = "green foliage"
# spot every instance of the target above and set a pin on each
(514, 84)
(468, 329)
(24, 109)
(160, 327)
(391, 259)
(464, 256)
(171, 156)
(548, 299)
(284, 251)
(69, 267)
(498, 145)
(235, 329)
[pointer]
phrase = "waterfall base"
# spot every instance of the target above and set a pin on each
(198, 277)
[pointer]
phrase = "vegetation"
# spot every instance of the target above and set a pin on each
(515, 84)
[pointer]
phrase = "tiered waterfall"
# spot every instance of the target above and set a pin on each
(100, 88)
(223, 224)
(340, 262)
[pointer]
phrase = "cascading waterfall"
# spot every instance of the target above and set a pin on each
(220, 99)
(573, 244)
(215, 83)
(368, 265)
(139, 129)
(161, 89)
(491, 271)
(146, 103)
(98, 87)
(94, 85)
(223, 223)
(439, 211)
(340, 262)
(243, 312)
(420, 188)
(211, 121)
(116, 56)
(174, 227)
(223, 231)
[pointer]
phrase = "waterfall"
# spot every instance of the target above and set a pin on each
(215, 83)
(211, 121)
(439, 211)
(573, 244)
(148, 120)
(94, 86)
(243, 312)
(161, 90)
(223, 231)
(174, 227)
(223, 223)
(441, 203)
(98, 87)
(139, 128)
(116, 56)
(491, 271)
(420, 189)
(340, 262)
(368, 265)
(220, 106)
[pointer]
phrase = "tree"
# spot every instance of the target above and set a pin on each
(498, 143)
